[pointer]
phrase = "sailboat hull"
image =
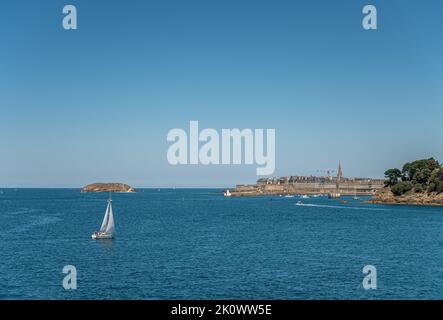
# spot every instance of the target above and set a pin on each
(102, 235)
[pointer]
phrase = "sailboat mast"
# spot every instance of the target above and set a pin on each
(110, 227)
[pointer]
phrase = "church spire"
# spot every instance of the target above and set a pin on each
(340, 172)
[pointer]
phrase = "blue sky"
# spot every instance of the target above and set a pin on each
(95, 104)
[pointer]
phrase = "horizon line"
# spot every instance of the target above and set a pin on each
(67, 187)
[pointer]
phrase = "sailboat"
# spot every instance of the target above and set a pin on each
(355, 195)
(108, 228)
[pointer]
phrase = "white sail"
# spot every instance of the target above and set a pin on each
(110, 228)
(105, 219)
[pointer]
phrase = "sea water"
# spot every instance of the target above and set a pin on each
(197, 244)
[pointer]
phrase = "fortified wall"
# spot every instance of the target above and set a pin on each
(335, 186)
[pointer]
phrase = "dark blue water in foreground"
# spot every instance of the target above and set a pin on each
(196, 244)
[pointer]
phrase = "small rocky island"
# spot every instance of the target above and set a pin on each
(107, 187)
(417, 183)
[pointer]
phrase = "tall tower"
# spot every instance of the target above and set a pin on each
(340, 172)
(339, 176)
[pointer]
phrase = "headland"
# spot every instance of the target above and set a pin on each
(419, 182)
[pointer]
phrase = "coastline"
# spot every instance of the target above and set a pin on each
(385, 196)
(379, 196)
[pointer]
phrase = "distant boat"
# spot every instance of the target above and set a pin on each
(334, 195)
(355, 195)
(299, 203)
(108, 228)
(227, 193)
(305, 196)
(289, 196)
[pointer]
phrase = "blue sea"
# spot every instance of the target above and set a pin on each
(197, 244)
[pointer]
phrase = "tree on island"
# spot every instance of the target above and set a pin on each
(436, 181)
(392, 177)
(419, 176)
(420, 170)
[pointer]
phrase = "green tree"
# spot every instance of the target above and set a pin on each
(418, 188)
(402, 187)
(410, 169)
(422, 176)
(392, 176)
(436, 181)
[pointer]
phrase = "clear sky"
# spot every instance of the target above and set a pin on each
(95, 104)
